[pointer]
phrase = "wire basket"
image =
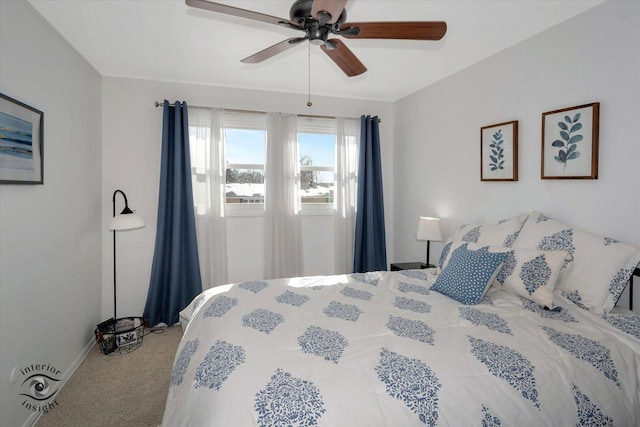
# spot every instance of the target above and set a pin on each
(121, 335)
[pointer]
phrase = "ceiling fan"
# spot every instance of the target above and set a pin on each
(320, 18)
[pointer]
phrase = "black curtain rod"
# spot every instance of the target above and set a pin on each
(159, 104)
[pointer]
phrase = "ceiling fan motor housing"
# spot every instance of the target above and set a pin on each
(317, 34)
(317, 29)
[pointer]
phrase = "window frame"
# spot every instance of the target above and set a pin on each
(324, 126)
(257, 121)
(245, 121)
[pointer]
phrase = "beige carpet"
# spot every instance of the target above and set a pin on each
(128, 389)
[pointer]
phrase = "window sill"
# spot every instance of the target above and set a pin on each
(239, 210)
(251, 210)
(317, 209)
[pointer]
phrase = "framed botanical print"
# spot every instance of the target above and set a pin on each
(499, 152)
(570, 142)
(21, 139)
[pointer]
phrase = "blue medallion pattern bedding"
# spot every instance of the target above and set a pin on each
(382, 349)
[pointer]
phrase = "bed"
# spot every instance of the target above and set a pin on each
(401, 349)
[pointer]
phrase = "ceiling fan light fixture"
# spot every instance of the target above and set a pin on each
(317, 34)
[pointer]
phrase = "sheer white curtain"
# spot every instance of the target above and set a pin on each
(347, 140)
(206, 137)
(283, 256)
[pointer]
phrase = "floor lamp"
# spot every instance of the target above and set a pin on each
(429, 230)
(123, 334)
(126, 220)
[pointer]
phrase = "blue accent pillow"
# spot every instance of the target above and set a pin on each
(469, 274)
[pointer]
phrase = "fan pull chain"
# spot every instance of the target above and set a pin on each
(309, 103)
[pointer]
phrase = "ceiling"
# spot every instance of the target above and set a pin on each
(169, 41)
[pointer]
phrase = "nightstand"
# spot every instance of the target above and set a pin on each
(397, 266)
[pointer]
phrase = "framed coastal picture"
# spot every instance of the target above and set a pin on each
(21, 139)
(570, 142)
(499, 152)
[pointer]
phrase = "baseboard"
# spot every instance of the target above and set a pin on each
(35, 416)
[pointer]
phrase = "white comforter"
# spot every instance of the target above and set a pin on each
(380, 349)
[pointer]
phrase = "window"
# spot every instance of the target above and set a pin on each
(317, 149)
(244, 135)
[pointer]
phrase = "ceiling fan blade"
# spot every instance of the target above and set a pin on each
(333, 8)
(416, 30)
(272, 50)
(242, 13)
(344, 58)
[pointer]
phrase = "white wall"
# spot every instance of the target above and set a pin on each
(592, 57)
(49, 234)
(131, 134)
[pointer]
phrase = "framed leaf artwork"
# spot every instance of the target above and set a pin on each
(499, 152)
(570, 142)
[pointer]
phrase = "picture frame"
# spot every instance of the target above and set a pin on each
(21, 142)
(499, 152)
(570, 142)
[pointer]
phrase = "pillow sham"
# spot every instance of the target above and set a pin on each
(530, 273)
(446, 249)
(503, 233)
(600, 267)
(468, 274)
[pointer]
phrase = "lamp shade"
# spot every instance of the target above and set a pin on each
(429, 229)
(126, 221)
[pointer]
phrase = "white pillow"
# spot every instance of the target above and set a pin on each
(530, 273)
(599, 268)
(503, 233)
(446, 250)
